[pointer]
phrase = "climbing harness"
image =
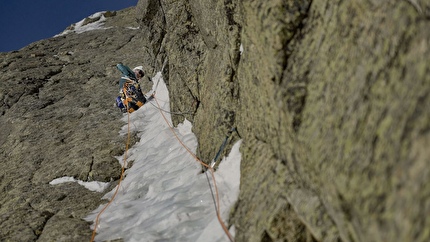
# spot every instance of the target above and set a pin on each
(131, 96)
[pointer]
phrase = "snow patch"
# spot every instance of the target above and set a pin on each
(164, 195)
(92, 185)
(81, 27)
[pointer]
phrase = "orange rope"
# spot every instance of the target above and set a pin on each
(205, 165)
(119, 183)
(218, 213)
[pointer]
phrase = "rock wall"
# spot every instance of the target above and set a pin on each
(331, 99)
(57, 119)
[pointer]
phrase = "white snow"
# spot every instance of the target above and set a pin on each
(92, 186)
(79, 27)
(164, 195)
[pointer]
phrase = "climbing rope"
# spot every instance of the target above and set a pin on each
(218, 213)
(96, 223)
(210, 168)
(174, 113)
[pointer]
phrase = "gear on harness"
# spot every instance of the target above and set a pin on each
(131, 97)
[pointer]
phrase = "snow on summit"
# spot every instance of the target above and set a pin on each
(95, 21)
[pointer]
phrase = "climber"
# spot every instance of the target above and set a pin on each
(135, 75)
(130, 96)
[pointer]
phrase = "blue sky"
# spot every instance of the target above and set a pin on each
(25, 21)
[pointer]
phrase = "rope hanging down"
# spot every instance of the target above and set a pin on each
(218, 213)
(209, 167)
(174, 113)
(96, 222)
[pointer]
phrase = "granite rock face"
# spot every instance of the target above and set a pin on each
(57, 119)
(331, 99)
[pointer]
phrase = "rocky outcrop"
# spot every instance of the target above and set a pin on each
(57, 119)
(331, 101)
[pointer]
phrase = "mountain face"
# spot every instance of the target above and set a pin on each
(58, 119)
(331, 99)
